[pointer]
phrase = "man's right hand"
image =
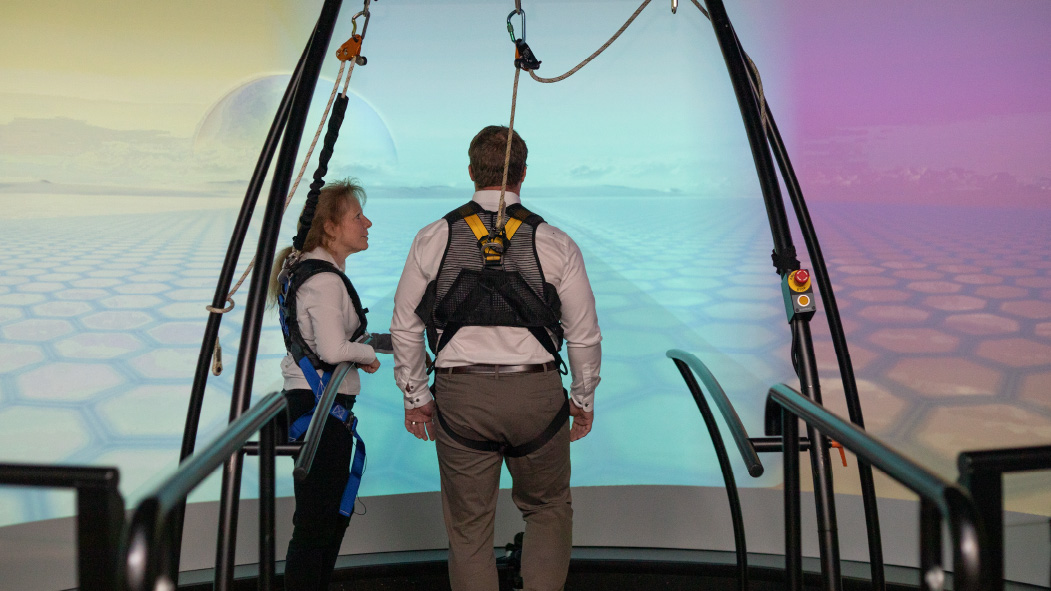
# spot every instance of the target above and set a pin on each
(581, 421)
(420, 421)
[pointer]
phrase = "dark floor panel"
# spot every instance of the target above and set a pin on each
(592, 569)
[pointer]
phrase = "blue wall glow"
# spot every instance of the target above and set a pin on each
(122, 169)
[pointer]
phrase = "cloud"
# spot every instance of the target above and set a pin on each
(72, 151)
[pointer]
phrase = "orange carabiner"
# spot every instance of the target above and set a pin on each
(349, 50)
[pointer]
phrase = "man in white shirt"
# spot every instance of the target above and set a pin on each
(496, 319)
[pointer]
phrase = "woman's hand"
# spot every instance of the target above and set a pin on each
(371, 367)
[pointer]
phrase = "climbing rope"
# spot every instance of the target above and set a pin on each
(598, 51)
(525, 61)
(756, 84)
(500, 212)
(349, 51)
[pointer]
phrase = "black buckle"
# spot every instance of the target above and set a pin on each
(525, 59)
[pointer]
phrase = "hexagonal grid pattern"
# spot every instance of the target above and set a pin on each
(959, 343)
(948, 325)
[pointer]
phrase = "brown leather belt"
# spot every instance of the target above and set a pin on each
(485, 368)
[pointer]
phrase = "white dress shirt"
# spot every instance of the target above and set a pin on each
(327, 320)
(563, 267)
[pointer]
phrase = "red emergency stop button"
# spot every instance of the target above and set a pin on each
(799, 281)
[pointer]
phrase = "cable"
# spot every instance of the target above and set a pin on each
(597, 52)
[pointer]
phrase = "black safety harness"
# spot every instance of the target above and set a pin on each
(308, 361)
(491, 295)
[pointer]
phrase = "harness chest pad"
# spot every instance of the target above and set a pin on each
(295, 344)
(468, 292)
(492, 297)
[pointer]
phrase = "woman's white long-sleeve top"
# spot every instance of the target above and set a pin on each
(327, 320)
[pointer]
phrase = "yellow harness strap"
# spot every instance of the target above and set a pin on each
(476, 225)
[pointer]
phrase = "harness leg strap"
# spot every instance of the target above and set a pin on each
(509, 451)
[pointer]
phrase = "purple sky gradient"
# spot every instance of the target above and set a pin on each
(934, 102)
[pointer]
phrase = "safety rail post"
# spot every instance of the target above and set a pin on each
(256, 300)
(785, 260)
(149, 549)
(820, 463)
(267, 505)
(688, 365)
(931, 546)
(99, 520)
(982, 472)
(792, 502)
(951, 502)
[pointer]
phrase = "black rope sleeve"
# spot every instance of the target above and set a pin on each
(786, 261)
(335, 121)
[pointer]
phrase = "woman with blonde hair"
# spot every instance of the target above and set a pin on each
(323, 325)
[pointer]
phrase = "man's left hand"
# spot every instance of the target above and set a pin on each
(420, 421)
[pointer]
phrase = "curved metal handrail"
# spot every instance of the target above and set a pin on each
(733, 421)
(317, 422)
(148, 542)
(950, 500)
(686, 362)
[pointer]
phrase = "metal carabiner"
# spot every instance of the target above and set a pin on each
(511, 28)
(354, 19)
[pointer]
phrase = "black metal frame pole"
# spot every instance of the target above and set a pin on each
(839, 344)
(932, 574)
(267, 510)
(211, 329)
(988, 494)
(981, 472)
(784, 256)
(835, 327)
(253, 317)
(753, 124)
(100, 522)
(793, 527)
(99, 519)
(820, 464)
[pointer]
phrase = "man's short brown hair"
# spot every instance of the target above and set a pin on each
(487, 152)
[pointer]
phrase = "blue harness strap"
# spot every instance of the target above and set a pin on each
(300, 425)
(317, 386)
(357, 469)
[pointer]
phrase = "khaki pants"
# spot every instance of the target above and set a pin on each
(512, 409)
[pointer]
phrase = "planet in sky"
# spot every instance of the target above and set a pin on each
(230, 136)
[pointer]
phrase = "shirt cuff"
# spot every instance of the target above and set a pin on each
(416, 395)
(584, 364)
